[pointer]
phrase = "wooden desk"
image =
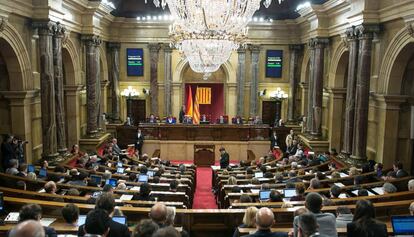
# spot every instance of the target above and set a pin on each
(202, 132)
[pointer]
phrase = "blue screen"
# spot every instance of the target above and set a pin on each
(81, 220)
(150, 173)
(30, 168)
(135, 62)
(119, 219)
(42, 173)
(274, 63)
(143, 178)
(119, 164)
(403, 225)
(112, 182)
(120, 170)
(264, 195)
(96, 179)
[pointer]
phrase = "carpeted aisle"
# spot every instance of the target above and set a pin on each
(204, 197)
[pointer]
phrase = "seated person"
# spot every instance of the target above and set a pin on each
(362, 193)
(275, 196)
(411, 208)
(70, 213)
(308, 226)
(170, 120)
(145, 227)
(98, 223)
(335, 191)
(398, 169)
(221, 120)
(389, 188)
(152, 119)
(264, 221)
(22, 170)
(144, 193)
(249, 220)
(300, 192)
(244, 198)
(343, 216)
(257, 120)
(50, 187)
(29, 228)
(76, 152)
(326, 221)
(174, 185)
(237, 120)
(203, 118)
(188, 119)
(411, 185)
(34, 212)
(364, 223)
(13, 165)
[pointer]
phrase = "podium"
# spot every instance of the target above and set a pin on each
(204, 155)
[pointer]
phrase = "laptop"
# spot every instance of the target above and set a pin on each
(142, 178)
(264, 195)
(96, 194)
(258, 175)
(403, 225)
(30, 168)
(112, 182)
(120, 170)
(120, 219)
(42, 172)
(1, 202)
(150, 173)
(96, 178)
(119, 164)
(81, 220)
(289, 192)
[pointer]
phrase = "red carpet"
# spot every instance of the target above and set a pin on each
(203, 197)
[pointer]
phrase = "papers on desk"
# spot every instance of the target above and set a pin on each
(342, 195)
(47, 221)
(215, 167)
(343, 175)
(378, 190)
(329, 176)
(126, 197)
(356, 193)
(135, 188)
(255, 190)
(339, 185)
(263, 179)
(12, 217)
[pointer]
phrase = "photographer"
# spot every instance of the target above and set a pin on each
(18, 149)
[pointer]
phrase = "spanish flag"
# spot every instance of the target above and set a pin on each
(189, 106)
(196, 117)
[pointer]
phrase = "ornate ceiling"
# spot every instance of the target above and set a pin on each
(276, 11)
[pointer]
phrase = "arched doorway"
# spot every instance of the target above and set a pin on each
(216, 85)
(5, 122)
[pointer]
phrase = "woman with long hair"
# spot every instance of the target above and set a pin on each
(364, 223)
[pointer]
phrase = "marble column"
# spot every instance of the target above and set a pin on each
(168, 80)
(114, 80)
(241, 78)
(318, 74)
(59, 32)
(309, 109)
(295, 50)
(47, 89)
(254, 84)
(92, 79)
(365, 36)
(350, 91)
(154, 49)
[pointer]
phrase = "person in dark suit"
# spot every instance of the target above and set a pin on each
(29, 228)
(182, 114)
(139, 142)
(224, 158)
(34, 212)
(398, 169)
(308, 227)
(273, 140)
(364, 223)
(97, 223)
(116, 150)
(7, 151)
(264, 221)
(106, 202)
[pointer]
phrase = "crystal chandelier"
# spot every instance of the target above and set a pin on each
(207, 31)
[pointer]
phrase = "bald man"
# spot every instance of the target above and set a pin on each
(264, 221)
(159, 214)
(30, 228)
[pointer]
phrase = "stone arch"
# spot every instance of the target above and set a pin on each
(392, 67)
(17, 59)
(183, 64)
(339, 67)
(70, 59)
(304, 72)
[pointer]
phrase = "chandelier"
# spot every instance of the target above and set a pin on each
(207, 31)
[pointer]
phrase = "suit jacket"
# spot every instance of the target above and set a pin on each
(116, 150)
(224, 160)
(273, 141)
(267, 233)
(115, 230)
(181, 116)
(326, 222)
(7, 153)
(377, 229)
(401, 173)
(139, 140)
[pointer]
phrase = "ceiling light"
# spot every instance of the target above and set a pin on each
(303, 5)
(138, 18)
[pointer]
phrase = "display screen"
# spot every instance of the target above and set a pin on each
(143, 178)
(120, 219)
(289, 192)
(403, 225)
(264, 195)
(96, 178)
(112, 182)
(135, 62)
(42, 173)
(274, 63)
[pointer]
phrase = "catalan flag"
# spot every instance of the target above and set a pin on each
(196, 117)
(189, 107)
(204, 95)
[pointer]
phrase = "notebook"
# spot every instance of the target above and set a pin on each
(126, 197)
(378, 190)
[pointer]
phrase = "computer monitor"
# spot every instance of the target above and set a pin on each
(96, 194)
(42, 172)
(403, 225)
(120, 170)
(142, 178)
(96, 178)
(150, 173)
(258, 175)
(119, 164)
(30, 168)
(81, 220)
(120, 219)
(289, 192)
(1, 202)
(112, 182)
(264, 195)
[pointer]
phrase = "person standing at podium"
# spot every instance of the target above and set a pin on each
(182, 114)
(273, 140)
(224, 158)
(139, 142)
